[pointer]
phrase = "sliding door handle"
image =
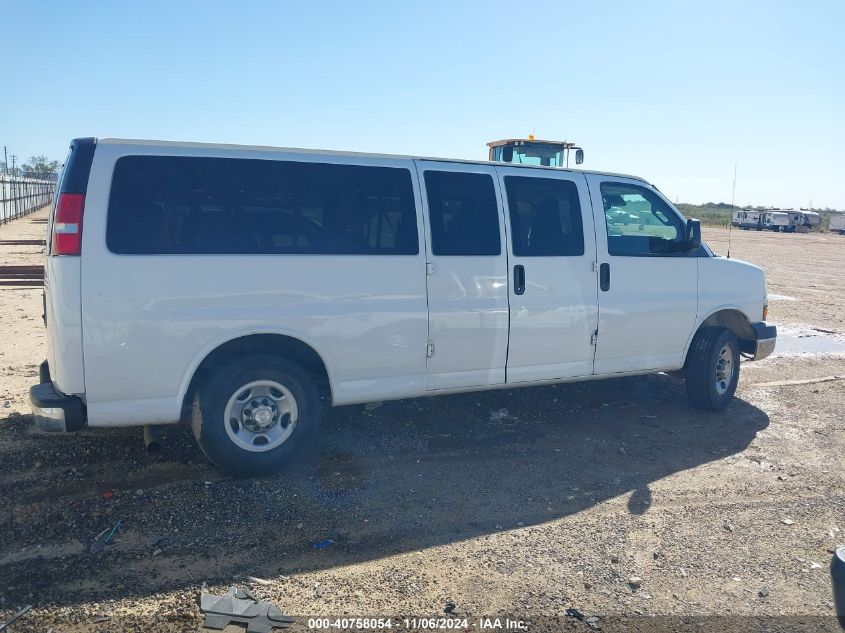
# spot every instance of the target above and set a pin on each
(604, 277)
(518, 279)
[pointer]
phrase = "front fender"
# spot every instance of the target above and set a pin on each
(731, 293)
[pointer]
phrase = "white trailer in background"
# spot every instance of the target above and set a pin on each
(747, 219)
(775, 221)
(801, 221)
(837, 223)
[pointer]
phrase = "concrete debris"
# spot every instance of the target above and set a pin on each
(241, 606)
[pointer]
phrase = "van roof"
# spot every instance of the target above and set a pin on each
(264, 148)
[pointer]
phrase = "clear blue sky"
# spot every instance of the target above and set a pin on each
(677, 92)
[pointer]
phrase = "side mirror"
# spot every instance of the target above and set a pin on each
(579, 156)
(693, 234)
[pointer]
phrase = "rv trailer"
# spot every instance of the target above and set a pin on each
(775, 220)
(747, 219)
(801, 221)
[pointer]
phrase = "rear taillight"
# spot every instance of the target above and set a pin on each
(67, 224)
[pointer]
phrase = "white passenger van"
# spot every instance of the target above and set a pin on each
(235, 288)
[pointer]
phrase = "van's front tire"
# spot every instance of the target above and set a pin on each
(256, 415)
(712, 368)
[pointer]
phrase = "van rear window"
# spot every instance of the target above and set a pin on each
(171, 205)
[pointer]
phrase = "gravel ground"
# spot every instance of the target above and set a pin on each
(612, 497)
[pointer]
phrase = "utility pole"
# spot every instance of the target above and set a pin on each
(733, 209)
(13, 164)
(5, 161)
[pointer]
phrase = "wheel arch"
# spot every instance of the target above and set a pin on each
(730, 317)
(292, 348)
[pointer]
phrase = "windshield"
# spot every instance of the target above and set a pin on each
(531, 154)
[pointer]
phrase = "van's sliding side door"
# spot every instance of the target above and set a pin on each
(467, 275)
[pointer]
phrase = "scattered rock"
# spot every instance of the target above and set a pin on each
(449, 608)
(635, 582)
(787, 521)
(571, 612)
(593, 622)
(764, 591)
(370, 406)
(728, 525)
(499, 415)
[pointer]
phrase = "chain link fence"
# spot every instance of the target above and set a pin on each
(19, 196)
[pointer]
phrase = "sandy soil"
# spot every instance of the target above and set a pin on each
(808, 267)
(611, 497)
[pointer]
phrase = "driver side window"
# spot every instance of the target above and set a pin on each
(639, 223)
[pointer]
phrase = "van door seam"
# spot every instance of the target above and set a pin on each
(595, 268)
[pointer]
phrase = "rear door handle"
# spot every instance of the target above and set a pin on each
(518, 279)
(604, 277)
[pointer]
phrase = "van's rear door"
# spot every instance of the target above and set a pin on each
(467, 275)
(62, 278)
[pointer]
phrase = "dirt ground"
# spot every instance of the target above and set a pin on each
(611, 497)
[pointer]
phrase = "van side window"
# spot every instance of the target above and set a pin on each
(639, 222)
(463, 213)
(545, 217)
(226, 206)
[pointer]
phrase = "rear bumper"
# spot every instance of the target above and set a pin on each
(763, 343)
(53, 410)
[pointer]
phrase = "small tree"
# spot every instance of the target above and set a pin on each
(40, 167)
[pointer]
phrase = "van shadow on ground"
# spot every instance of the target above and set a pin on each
(402, 477)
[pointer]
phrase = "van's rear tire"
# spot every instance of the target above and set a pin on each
(256, 415)
(712, 368)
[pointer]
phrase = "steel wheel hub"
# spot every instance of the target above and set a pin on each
(260, 415)
(724, 370)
